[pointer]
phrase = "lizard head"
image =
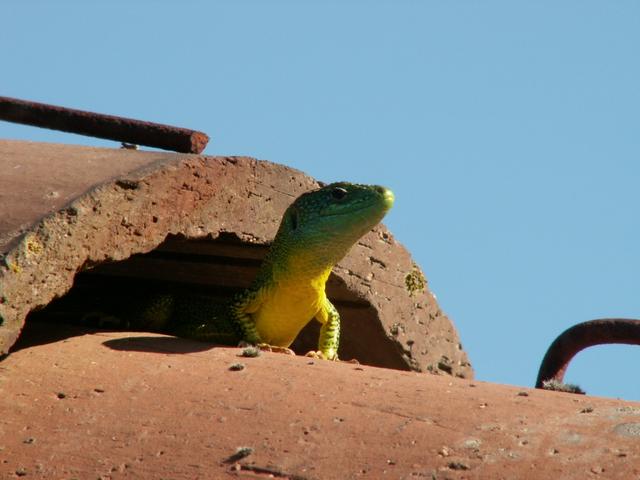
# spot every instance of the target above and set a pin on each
(325, 223)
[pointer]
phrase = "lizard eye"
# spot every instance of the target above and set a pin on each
(338, 193)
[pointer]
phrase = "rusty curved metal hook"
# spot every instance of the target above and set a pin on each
(584, 335)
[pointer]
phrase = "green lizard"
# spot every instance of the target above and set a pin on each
(316, 232)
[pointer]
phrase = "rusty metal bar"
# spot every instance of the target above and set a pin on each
(93, 124)
(584, 335)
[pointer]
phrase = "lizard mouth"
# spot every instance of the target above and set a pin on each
(388, 198)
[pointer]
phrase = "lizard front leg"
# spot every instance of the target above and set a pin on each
(329, 339)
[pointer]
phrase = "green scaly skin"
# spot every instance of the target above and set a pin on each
(316, 232)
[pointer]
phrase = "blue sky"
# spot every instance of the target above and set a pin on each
(509, 132)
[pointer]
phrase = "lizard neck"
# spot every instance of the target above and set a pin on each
(303, 268)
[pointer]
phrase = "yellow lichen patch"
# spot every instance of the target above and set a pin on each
(414, 281)
(14, 267)
(33, 246)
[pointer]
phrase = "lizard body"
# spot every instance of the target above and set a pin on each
(316, 231)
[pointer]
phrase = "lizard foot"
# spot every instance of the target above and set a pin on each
(320, 356)
(275, 349)
(315, 354)
(265, 347)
